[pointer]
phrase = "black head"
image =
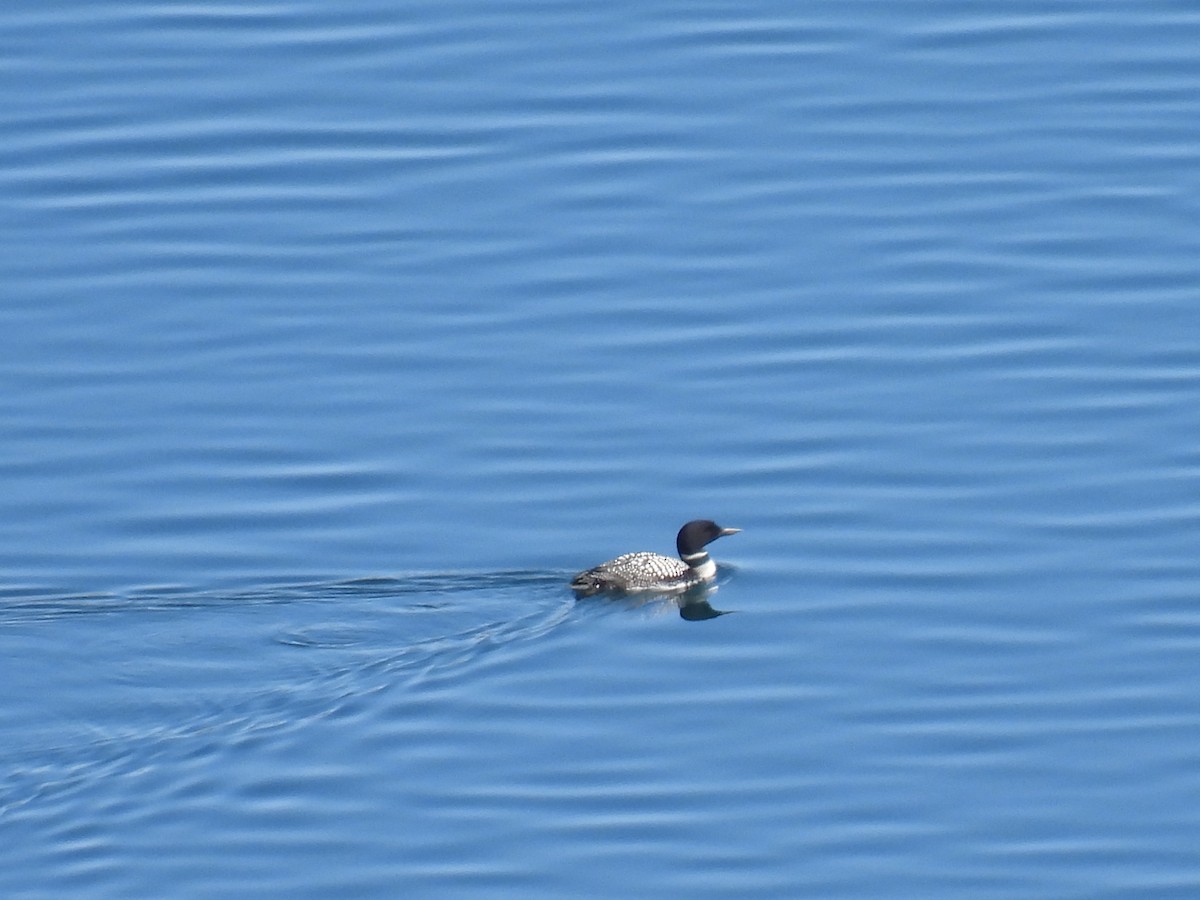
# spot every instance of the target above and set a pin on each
(696, 534)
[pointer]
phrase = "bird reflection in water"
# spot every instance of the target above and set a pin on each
(693, 604)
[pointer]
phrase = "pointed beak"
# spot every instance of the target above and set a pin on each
(725, 531)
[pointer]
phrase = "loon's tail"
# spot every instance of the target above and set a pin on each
(588, 583)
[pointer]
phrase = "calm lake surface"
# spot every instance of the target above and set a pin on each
(334, 338)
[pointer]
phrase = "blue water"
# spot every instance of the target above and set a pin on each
(334, 338)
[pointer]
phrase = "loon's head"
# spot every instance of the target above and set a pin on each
(693, 536)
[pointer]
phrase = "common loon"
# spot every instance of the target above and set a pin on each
(653, 572)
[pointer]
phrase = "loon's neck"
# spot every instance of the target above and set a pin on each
(701, 564)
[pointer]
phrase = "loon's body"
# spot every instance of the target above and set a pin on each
(644, 571)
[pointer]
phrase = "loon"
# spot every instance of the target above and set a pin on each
(653, 572)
